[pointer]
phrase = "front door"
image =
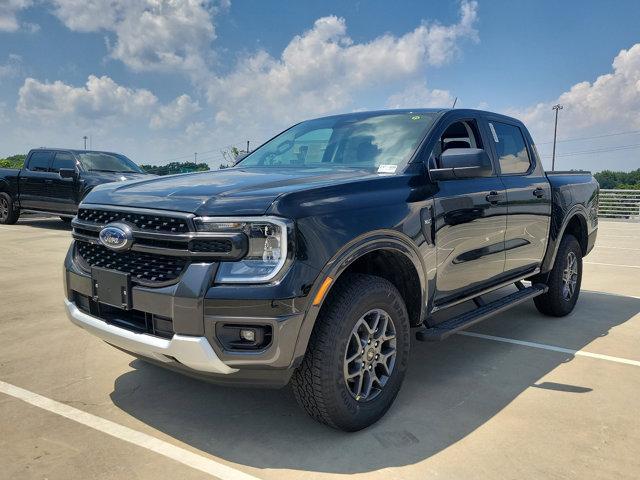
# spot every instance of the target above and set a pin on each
(470, 217)
(62, 190)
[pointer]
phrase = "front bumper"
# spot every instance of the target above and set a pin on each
(194, 309)
(193, 352)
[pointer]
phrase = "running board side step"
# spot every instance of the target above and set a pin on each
(484, 311)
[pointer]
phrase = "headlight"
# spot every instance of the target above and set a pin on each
(267, 249)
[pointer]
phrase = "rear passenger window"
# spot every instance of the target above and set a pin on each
(39, 161)
(510, 148)
(63, 160)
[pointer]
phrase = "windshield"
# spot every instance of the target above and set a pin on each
(380, 141)
(107, 162)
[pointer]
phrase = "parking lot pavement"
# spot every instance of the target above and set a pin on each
(562, 405)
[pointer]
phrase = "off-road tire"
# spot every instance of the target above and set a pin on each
(554, 303)
(9, 214)
(319, 385)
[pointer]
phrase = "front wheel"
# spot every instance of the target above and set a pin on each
(357, 355)
(563, 280)
(9, 214)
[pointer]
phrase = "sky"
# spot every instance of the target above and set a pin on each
(161, 80)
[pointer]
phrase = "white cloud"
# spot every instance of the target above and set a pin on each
(101, 98)
(417, 95)
(322, 70)
(100, 101)
(150, 35)
(12, 67)
(9, 14)
(174, 113)
(611, 102)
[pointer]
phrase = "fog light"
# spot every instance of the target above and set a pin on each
(248, 335)
(243, 337)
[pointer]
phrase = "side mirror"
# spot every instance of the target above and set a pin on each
(462, 163)
(67, 173)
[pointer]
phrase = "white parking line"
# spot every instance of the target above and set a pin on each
(617, 236)
(612, 265)
(611, 294)
(618, 248)
(577, 353)
(127, 434)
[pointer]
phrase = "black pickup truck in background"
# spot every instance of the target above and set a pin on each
(309, 261)
(55, 181)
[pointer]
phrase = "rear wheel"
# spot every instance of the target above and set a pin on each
(357, 355)
(563, 281)
(9, 214)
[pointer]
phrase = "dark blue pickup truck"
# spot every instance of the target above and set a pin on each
(54, 181)
(311, 259)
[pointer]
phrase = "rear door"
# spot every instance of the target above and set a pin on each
(528, 195)
(62, 191)
(35, 179)
(470, 219)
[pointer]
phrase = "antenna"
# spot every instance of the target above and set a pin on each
(454, 103)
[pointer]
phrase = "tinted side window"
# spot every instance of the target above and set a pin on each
(39, 161)
(63, 160)
(510, 147)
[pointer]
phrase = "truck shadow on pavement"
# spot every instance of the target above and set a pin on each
(451, 389)
(49, 223)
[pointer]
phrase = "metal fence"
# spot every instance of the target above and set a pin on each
(619, 204)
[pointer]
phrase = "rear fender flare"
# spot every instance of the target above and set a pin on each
(556, 237)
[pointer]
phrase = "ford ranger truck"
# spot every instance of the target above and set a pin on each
(311, 260)
(54, 181)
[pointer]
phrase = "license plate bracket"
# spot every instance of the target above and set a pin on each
(111, 287)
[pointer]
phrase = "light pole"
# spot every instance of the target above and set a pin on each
(85, 141)
(555, 133)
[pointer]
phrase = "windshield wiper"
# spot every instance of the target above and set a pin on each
(108, 171)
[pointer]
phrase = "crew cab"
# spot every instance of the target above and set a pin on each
(54, 181)
(312, 259)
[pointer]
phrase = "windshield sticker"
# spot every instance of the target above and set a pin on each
(387, 168)
(493, 132)
(416, 117)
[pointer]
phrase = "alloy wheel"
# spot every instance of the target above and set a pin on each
(570, 276)
(4, 208)
(370, 355)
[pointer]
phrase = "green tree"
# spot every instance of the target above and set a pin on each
(609, 179)
(14, 161)
(175, 167)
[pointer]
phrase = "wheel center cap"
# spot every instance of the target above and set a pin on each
(370, 354)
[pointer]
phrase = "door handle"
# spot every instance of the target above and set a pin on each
(48, 180)
(493, 197)
(538, 192)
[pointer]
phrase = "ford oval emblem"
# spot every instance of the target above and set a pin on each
(116, 236)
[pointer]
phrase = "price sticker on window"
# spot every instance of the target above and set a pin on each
(493, 132)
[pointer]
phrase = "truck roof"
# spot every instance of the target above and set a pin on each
(419, 110)
(73, 150)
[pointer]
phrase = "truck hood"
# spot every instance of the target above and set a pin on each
(105, 177)
(232, 191)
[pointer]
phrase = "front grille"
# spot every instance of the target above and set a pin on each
(143, 267)
(146, 222)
